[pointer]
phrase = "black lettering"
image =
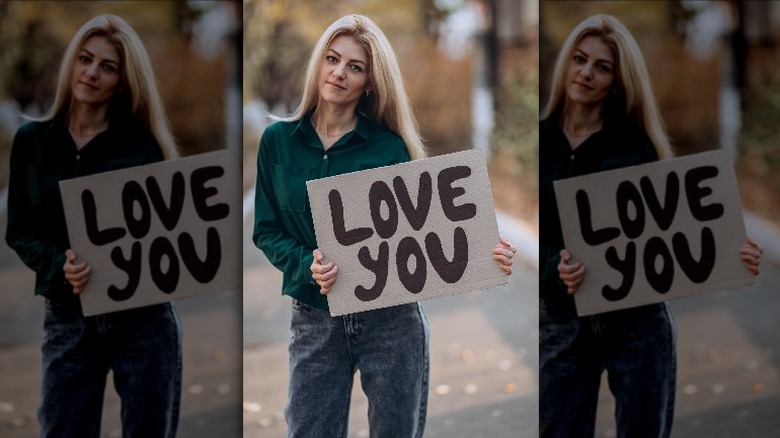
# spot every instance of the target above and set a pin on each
(380, 269)
(203, 271)
(627, 193)
(695, 193)
(377, 194)
(94, 233)
(627, 267)
(343, 236)
(699, 271)
(661, 280)
(663, 215)
(201, 193)
(168, 213)
(165, 281)
(592, 237)
(132, 267)
(452, 271)
(412, 281)
(447, 194)
(415, 216)
(132, 194)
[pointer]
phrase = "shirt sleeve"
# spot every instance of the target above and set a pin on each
(283, 251)
(24, 224)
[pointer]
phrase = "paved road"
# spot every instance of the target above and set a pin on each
(728, 352)
(484, 359)
(211, 399)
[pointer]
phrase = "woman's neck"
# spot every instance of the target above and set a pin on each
(332, 122)
(580, 122)
(85, 122)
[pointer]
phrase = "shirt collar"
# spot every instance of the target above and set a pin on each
(305, 127)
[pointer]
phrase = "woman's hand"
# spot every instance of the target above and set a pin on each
(77, 274)
(750, 253)
(504, 252)
(324, 275)
(571, 274)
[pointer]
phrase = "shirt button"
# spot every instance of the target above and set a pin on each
(78, 157)
(572, 156)
(325, 157)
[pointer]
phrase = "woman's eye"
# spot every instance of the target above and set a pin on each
(356, 68)
(109, 68)
(603, 68)
(331, 59)
(579, 59)
(84, 58)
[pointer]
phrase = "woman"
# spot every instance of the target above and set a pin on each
(354, 115)
(601, 115)
(107, 114)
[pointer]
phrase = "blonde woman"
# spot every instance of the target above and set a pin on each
(107, 114)
(354, 115)
(601, 115)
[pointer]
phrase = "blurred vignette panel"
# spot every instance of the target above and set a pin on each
(195, 52)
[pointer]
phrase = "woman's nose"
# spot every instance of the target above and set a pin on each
(340, 71)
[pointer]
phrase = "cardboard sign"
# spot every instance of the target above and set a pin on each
(655, 232)
(407, 232)
(158, 232)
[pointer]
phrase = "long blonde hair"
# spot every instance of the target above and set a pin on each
(634, 95)
(139, 96)
(388, 103)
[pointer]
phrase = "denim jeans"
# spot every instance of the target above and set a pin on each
(142, 347)
(637, 349)
(390, 348)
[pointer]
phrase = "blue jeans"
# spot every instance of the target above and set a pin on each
(637, 349)
(143, 349)
(390, 348)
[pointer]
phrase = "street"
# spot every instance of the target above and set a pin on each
(483, 349)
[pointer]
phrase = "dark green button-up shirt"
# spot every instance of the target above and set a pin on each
(290, 154)
(43, 154)
(620, 143)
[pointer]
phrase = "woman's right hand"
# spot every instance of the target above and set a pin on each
(77, 274)
(571, 274)
(324, 275)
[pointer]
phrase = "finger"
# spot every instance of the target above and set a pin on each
(565, 256)
(507, 252)
(321, 269)
(569, 269)
(70, 255)
(79, 275)
(73, 269)
(507, 269)
(331, 273)
(502, 260)
(573, 275)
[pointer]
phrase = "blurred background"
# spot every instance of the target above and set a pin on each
(471, 71)
(195, 49)
(714, 71)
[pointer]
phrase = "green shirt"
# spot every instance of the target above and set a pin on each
(290, 154)
(43, 154)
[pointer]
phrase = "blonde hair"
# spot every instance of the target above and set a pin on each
(387, 104)
(137, 93)
(634, 93)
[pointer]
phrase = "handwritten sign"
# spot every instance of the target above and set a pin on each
(407, 232)
(158, 232)
(655, 232)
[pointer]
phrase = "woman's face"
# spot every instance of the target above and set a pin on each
(591, 72)
(95, 72)
(344, 72)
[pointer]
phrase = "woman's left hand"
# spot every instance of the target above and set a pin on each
(750, 253)
(504, 253)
